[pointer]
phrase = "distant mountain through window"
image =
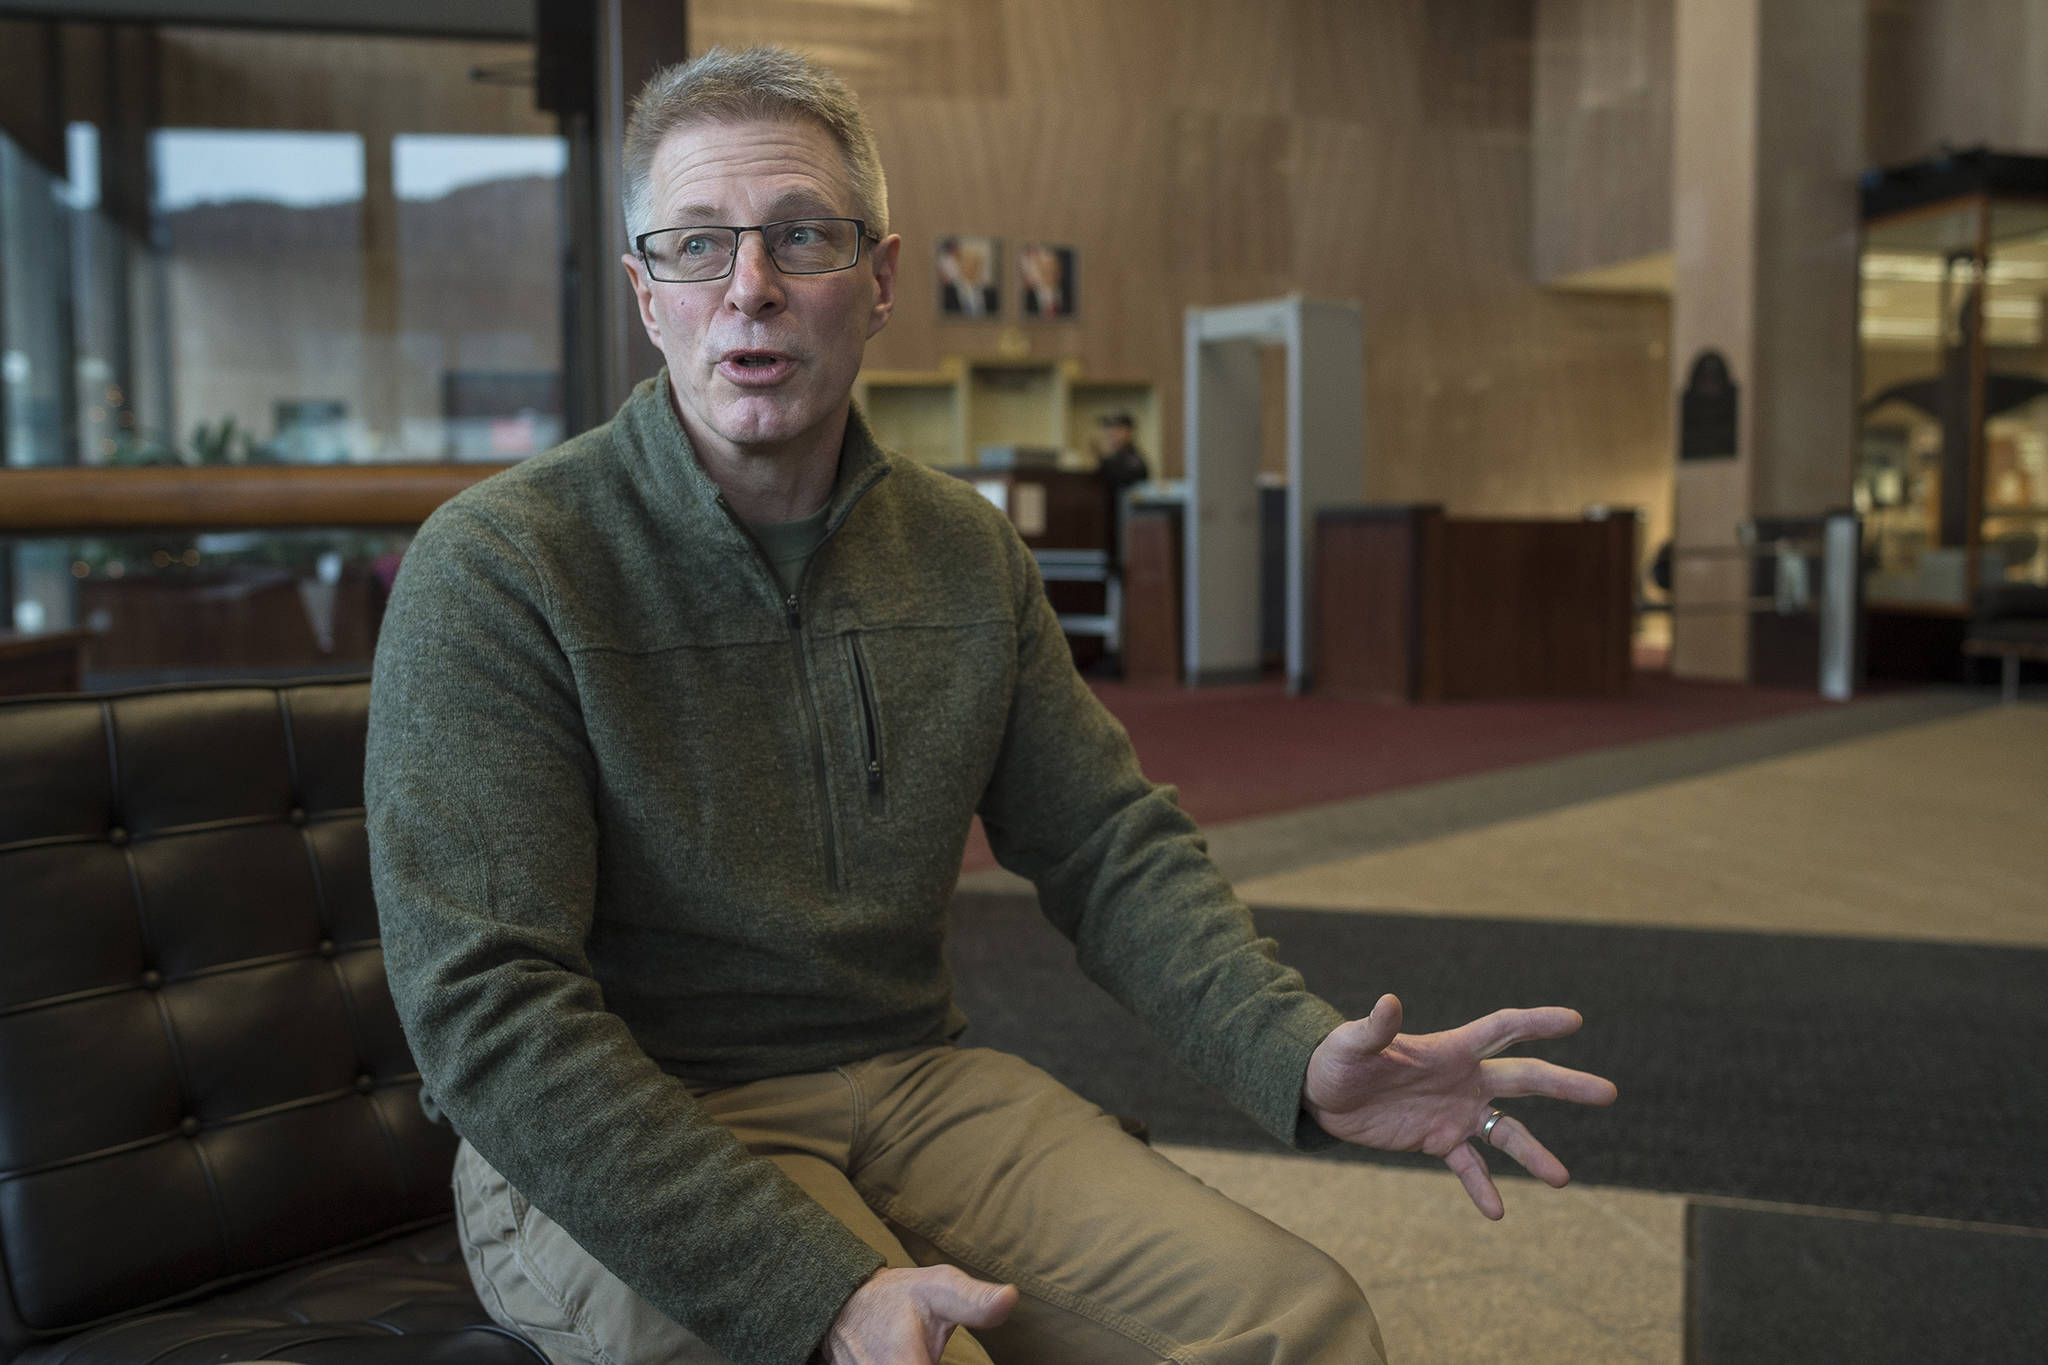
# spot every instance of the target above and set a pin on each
(431, 166)
(197, 166)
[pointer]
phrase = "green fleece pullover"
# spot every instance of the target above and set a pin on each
(641, 821)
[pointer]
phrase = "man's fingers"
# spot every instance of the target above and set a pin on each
(1502, 1029)
(1372, 1031)
(997, 1307)
(960, 1300)
(1517, 1077)
(1512, 1136)
(906, 1314)
(1470, 1168)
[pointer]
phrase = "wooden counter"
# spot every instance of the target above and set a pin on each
(1412, 605)
(51, 662)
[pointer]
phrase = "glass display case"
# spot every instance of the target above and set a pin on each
(1951, 470)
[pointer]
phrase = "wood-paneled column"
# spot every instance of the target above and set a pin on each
(1766, 147)
(634, 39)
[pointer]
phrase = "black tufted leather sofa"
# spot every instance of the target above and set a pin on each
(211, 1146)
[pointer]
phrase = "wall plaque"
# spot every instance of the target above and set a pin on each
(1707, 408)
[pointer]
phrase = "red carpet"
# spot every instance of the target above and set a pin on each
(1236, 752)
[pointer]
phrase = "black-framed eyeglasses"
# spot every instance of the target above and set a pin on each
(796, 246)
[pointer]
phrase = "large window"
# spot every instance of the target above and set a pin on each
(250, 248)
(36, 346)
(1952, 468)
(261, 244)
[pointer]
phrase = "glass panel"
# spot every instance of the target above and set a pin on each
(35, 271)
(269, 247)
(106, 418)
(376, 277)
(1921, 278)
(2015, 527)
(479, 313)
(262, 249)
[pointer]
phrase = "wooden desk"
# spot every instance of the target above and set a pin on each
(249, 618)
(1052, 509)
(1152, 595)
(1055, 509)
(1377, 583)
(1412, 605)
(52, 662)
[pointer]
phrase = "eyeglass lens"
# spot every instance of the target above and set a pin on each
(801, 246)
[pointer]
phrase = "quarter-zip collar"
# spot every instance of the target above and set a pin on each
(686, 500)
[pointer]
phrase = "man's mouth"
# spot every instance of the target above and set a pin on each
(755, 367)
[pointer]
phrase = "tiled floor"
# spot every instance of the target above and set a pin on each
(1929, 822)
(1936, 831)
(1570, 1277)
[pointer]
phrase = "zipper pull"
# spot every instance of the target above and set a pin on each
(795, 615)
(874, 774)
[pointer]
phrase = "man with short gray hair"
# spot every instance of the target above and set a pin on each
(677, 732)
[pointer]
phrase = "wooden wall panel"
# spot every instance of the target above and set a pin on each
(1602, 134)
(231, 78)
(1475, 66)
(1955, 72)
(1220, 151)
(1232, 201)
(1356, 67)
(1810, 124)
(887, 49)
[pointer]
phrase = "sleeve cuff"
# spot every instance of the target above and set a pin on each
(1285, 1057)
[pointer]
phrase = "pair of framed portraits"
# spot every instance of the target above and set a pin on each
(971, 284)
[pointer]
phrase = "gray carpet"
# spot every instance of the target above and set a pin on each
(1777, 1288)
(1892, 1077)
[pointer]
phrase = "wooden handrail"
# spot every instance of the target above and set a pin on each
(215, 497)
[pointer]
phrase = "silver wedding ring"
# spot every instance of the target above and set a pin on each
(1486, 1133)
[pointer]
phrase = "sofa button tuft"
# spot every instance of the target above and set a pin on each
(118, 837)
(188, 1126)
(297, 815)
(365, 1084)
(152, 979)
(327, 947)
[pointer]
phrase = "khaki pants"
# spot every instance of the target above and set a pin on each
(979, 1159)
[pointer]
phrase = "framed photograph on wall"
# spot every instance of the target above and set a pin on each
(1045, 281)
(970, 277)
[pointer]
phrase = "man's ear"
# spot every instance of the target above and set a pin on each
(643, 291)
(884, 256)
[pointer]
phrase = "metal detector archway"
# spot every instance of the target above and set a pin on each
(1325, 397)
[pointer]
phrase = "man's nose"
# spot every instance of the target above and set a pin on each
(755, 284)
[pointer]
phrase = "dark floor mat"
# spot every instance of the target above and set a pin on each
(1765, 1288)
(1846, 1073)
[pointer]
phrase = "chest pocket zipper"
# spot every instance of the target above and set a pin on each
(871, 725)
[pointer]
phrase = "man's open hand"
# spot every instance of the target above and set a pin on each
(1371, 1084)
(905, 1317)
